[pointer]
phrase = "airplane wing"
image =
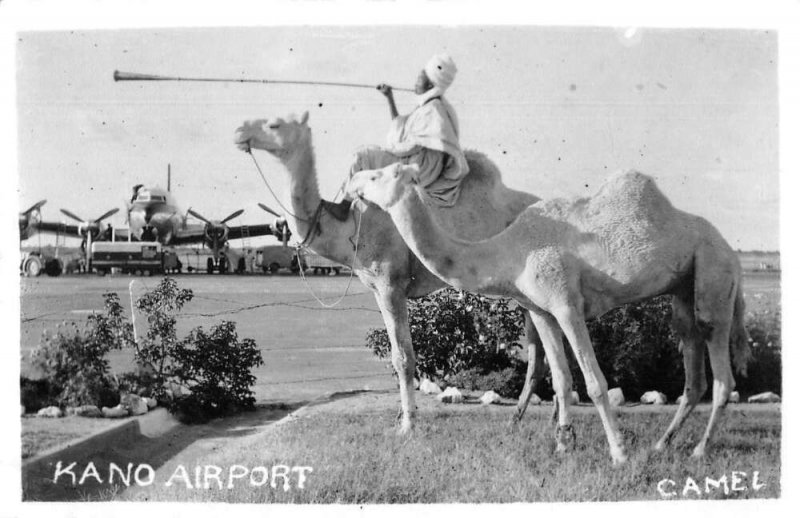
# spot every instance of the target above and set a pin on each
(52, 227)
(187, 237)
(251, 231)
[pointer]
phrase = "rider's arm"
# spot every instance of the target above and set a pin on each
(386, 90)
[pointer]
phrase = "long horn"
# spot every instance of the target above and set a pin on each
(133, 76)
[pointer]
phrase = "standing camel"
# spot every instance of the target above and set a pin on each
(567, 261)
(383, 262)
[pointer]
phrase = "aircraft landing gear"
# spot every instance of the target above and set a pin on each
(221, 266)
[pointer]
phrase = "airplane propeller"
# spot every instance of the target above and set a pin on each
(28, 217)
(264, 207)
(35, 207)
(216, 231)
(281, 230)
(92, 228)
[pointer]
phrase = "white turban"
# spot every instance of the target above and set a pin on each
(441, 70)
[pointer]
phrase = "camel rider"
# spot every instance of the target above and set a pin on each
(428, 137)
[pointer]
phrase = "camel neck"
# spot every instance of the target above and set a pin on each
(456, 262)
(305, 199)
(304, 189)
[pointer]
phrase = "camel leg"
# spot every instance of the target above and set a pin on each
(715, 294)
(574, 326)
(719, 353)
(550, 335)
(534, 373)
(393, 307)
(694, 355)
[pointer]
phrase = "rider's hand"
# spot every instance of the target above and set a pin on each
(385, 89)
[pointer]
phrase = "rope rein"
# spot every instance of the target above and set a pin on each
(349, 279)
(313, 231)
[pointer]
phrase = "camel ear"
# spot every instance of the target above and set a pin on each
(304, 118)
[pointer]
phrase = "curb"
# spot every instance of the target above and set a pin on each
(152, 424)
(39, 470)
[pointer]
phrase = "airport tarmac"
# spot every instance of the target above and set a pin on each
(308, 350)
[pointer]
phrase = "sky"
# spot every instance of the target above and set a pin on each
(557, 108)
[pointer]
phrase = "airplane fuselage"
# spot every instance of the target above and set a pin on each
(155, 216)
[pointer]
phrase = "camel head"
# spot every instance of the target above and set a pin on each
(279, 137)
(384, 187)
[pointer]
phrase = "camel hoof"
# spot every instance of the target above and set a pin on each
(561, 449)
(660, 446)
(699, 453)
(619, 460)
(513, 424)
(405, 429)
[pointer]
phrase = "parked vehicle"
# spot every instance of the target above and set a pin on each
(130, 257)
(32, 264)
(272, 258)
(321, 265)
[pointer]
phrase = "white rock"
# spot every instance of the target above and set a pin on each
(416, 384)
(653, 397)
(490, 397)
(680, 399)
(764, 397)
(150, 402)
(734, 397)
(535, 400)
(426, 386)
(117, 411)
(574, 398)
(134, 404)
(616, 397)
(50, 411)
(451, 395)
(85, 411)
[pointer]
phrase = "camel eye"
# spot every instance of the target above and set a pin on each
(274, 125)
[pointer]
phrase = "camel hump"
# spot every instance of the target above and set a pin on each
(481, 169)
(636, 189)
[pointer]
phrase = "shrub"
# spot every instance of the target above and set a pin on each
(507, 382)
(455, 331)
(74, 358)
(154, 350)
(217, 368)
(765, 369)
(37, 393)
(466, 339)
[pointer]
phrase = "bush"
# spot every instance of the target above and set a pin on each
(74, 358)
(454, 331)
(765, 369)
(153, 352)
(217, 368)
(507, 382)
(36, 394)
(466, 339)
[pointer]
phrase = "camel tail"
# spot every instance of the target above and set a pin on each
(740, 339)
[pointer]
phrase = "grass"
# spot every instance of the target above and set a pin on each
(466, 453)
(40, 433)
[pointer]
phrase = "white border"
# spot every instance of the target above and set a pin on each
(85, 14)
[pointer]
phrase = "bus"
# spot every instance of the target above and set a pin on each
(131, 257)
